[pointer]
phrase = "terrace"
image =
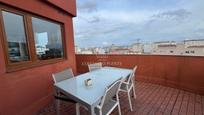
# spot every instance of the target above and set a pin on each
(163, 84)
(152, 99)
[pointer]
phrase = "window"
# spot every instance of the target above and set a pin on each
(16, 37)
(30, 40)
(48, 41)
(187, 52)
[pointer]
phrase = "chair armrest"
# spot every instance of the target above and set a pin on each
(125, 83)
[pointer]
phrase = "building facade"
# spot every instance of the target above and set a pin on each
(137, 48)
(164, 47)
(187, 47)
(194, 47)
(36, 38)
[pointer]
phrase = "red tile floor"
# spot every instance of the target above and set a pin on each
(152, 99)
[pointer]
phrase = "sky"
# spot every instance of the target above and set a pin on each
(101, 23)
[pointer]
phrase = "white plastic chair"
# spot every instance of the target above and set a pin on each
(108, 103)
(59, 96)
(63, 75)
(95, 66)
(128, 85)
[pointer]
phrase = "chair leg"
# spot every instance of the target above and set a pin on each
(119, 110)
(57, 106)
(130, 103)
(100, 112)
(77, 109)
(134, 93)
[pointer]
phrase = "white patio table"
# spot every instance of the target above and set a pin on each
(90, 96)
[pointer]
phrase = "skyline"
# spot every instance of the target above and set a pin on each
(102, 23)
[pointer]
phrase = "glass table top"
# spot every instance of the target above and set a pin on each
(101, 79)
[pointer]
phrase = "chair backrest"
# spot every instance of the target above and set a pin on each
(132, 75)
(95, 66)
(63, 75)
(111, 92)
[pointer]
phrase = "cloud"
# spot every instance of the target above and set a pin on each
(175, 14)
(91, 19)
(94, 19)
(170, 22)
(105, 43)
(200, 30)
(88, 5)
(124, 16)
(87, 11)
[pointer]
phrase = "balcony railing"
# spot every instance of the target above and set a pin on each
(183, 72)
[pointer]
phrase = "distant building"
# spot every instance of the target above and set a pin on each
(187, 47)
(99, 51)
(148, 48)
(118, 49)
(77, 50)
(164, 47)
(86, 52)
(137, 48)
(194, 47)
(194, 42)
(114, 47)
